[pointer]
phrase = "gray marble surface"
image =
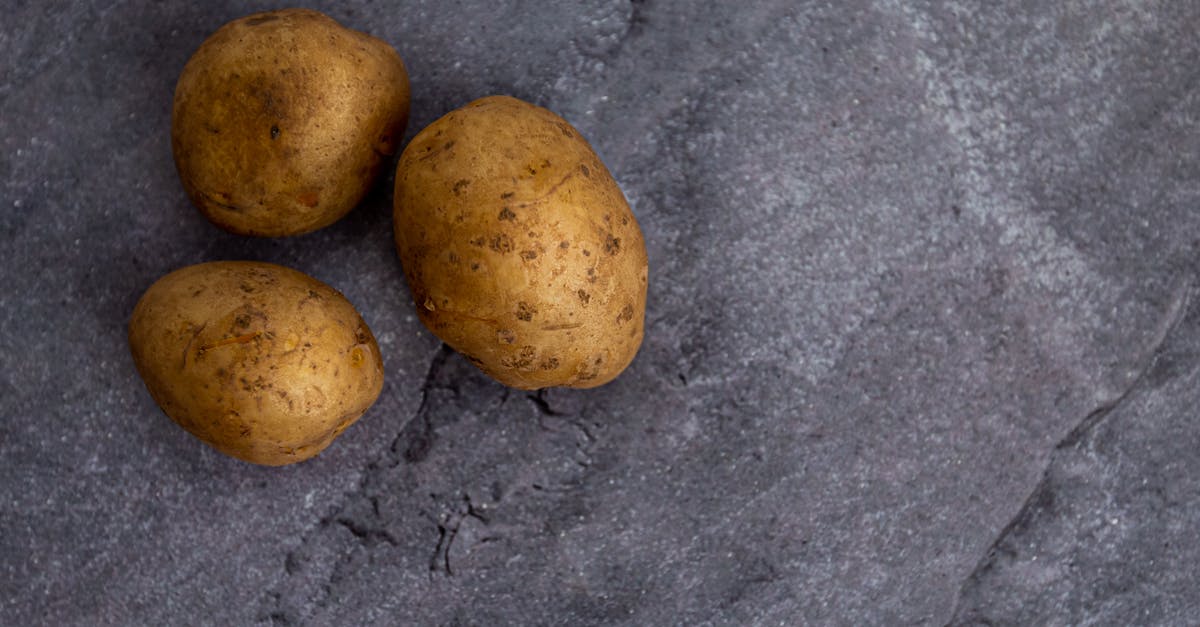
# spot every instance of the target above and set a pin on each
(923, 336)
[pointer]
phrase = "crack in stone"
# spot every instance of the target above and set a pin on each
(418, 448)
(544, 408)
(448, 527)
(368, 536)
(1181, 298)
(637, 19)
(367, 526)
(539, 400)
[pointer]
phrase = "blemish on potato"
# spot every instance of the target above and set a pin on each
(239, 339)
(310, 198)
(525, 311)
(585, 170)
(549, 364)
(274, 132)
(564, 245)
(459, 186)
(626, 313)
(612, 245)
(562, 327)
(584, 297)
(506, 336)
(522, 361)
(507, 214)
(501, 243)
(506, 195)
(529, 255)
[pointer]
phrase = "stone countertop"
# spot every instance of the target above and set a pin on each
(923, 334)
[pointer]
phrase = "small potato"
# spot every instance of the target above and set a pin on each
(259, 361)
(282, 121)
(519, 248)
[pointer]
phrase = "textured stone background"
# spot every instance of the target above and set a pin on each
(923, 340)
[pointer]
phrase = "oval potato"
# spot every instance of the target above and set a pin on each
(262, 362)
(519, 247)
(283, 120)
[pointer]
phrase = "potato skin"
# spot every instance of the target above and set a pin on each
(262, 362)
(283, 120)
(519, 247)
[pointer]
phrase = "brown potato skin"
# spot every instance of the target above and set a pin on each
(519, 248)
(262, 362)
(283, 120)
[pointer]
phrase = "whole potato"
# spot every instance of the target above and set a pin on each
(519, 248)
(283, 120)
(262, 362)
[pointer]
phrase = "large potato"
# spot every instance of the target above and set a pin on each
(519, 248)
(262, 362)
(283, 120)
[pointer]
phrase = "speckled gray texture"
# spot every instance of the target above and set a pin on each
(922, 340)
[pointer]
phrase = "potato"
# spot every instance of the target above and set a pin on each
(283, 120)
(519, 248)
(261, 362)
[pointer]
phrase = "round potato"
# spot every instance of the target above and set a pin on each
(283, 120)
(519, 248)
(261, 362)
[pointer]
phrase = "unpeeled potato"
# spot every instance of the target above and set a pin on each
(519, 248)
(259, 361)
(283, 120)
